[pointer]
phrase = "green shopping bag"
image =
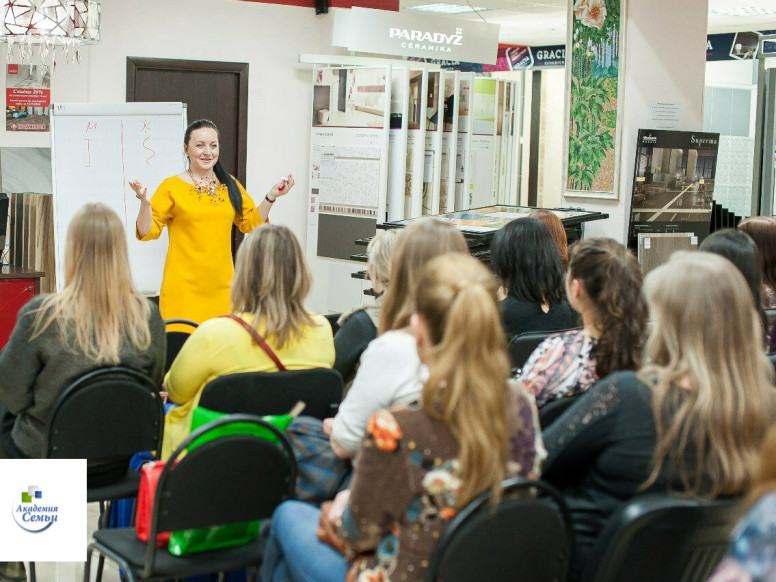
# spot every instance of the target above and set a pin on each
(190, 541)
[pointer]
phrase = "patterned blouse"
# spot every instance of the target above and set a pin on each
(561, 366)
(752, 553)
(405, 489)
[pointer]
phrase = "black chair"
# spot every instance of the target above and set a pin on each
(522, 346)
(230, 479)
(550, 412)
(527, 537)
(262, 393)
(657, 537)
(333, 318)
(176, 339)
(106, 414)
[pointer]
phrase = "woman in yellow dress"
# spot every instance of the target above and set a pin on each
(199, 207)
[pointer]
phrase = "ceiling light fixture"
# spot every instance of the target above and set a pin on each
(442, 8)
(38, 27)
(744, 11)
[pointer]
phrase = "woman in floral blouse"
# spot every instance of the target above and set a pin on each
(420, 465)
(604, 285)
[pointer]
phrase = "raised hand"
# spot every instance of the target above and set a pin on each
(282, 187)
(141, 192)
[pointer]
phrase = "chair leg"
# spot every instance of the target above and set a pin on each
(102, 523)
(88, 564)
(100, 565)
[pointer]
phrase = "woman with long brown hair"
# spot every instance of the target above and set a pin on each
(690, 421)
(98, 319)
(389, 371)
(603, 284)
(752, 553)
(762, 229)
(270, 285)
(418, 466)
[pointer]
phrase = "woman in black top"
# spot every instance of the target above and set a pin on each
(690, 421)
(526, 259)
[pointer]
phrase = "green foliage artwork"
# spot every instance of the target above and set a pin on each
(593, 104)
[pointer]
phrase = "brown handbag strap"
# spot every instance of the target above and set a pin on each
(259, 340)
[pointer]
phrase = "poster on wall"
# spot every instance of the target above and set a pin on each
(673, 183)
(483, 119)
(449, 144)
(463, 147)
(348, 157)
(27, 97)
(432, 159)
(592, 93)
(397, 143)
(416, 139)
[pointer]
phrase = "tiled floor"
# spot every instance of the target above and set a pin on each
(74, 571)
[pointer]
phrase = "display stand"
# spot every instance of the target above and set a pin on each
(17, 286)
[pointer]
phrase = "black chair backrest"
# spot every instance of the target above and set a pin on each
(526, 537)
(522, 346)
(262, 393)
(176, 339)
(770, 317)
(106, 412)
(230, 479)
(550, 412)
(333, 318)
(657, 537)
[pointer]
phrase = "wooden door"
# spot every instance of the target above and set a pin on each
(211, 90)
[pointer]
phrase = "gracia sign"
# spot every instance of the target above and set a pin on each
(32, 512)
(415, 35)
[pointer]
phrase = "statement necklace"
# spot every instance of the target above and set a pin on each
(206, 186)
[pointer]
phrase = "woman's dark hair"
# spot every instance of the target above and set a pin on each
(612, 281)
(235, 197)
(740, 249)
(526, 259)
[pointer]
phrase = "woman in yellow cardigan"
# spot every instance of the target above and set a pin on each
(199, 207)
(270, 284)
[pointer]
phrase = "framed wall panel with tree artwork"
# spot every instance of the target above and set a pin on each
(594, 88)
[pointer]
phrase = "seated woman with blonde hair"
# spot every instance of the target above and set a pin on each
(690, 421)
(358, 327)
(389, 371)
(270, 284)
(418, 466)
(98, 320)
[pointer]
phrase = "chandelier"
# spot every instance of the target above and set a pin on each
(38, 28)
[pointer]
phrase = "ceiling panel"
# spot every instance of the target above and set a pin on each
(538, 23)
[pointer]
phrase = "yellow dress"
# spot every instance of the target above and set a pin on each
(221, 346)
(198, 269)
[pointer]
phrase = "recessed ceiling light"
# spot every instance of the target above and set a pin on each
(443, 8)
(744, 11)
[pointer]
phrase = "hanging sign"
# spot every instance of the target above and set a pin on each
(413, 35)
